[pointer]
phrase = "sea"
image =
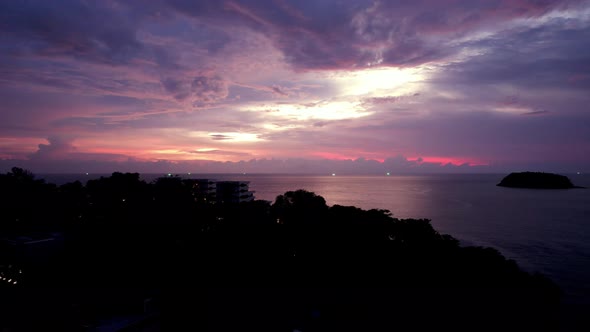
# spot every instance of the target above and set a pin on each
(545, 231)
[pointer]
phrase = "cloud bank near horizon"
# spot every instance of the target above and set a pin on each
(464, 85)
(398, 165)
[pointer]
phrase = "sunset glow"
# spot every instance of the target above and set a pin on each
(427, 86)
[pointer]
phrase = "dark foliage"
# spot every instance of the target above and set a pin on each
(295, 264)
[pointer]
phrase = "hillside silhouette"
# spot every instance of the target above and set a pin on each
(118, 246)
(537, 180)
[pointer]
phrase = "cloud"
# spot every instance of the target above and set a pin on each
(73, 28)
(337, 35)
(221, 152)
(205, 88)
(275, 90)
(384, 101)
(100, 164)
(178, 88)
(220, 137)
(502, 81)
(279, 91)
(58, 148)
(311, 35)
(530, 57)
(537, 112)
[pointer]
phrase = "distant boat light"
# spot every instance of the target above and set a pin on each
(86, 173)
(388, 174)
(333, 174)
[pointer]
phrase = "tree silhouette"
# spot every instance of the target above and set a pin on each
(26, 202)
(295, 264)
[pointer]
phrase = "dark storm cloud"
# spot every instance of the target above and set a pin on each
(72, 28)
(104, 32)
(337, 34)
(311, 34)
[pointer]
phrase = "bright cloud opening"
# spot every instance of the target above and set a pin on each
(378, 81)
(321, 110)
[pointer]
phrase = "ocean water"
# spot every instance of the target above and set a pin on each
(545, 231)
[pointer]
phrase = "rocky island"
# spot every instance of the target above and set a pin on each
(536, 180)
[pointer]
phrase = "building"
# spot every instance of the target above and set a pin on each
(233, 192)
(204, 190)
(29, 258)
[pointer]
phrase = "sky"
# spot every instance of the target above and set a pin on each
(285, 86)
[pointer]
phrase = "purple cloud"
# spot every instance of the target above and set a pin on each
(145, 83)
